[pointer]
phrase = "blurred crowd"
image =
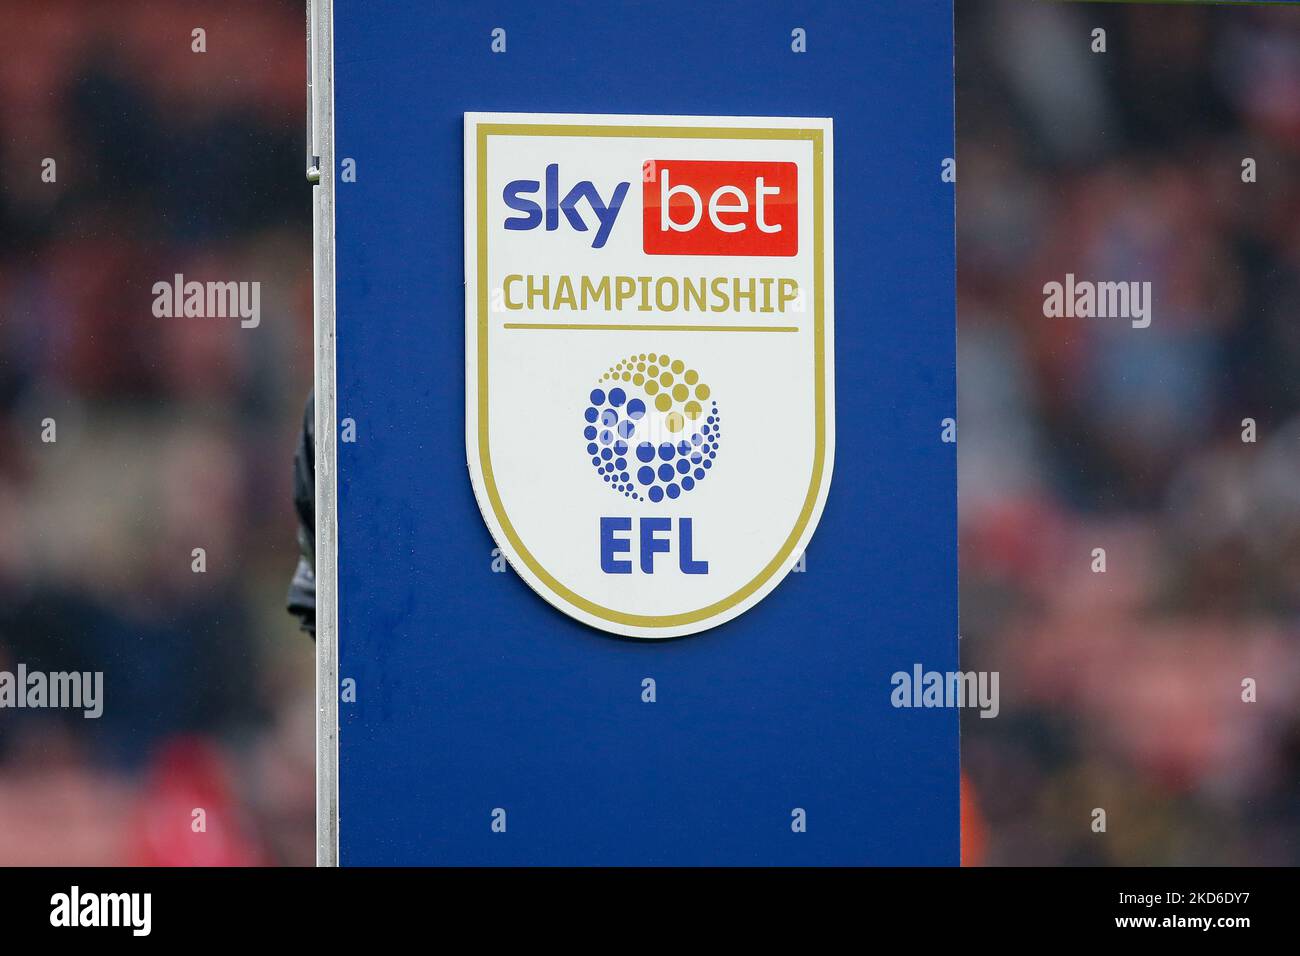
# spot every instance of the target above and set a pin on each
(1123, 690)
(170, 434)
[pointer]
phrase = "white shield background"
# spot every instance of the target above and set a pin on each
(527, 388)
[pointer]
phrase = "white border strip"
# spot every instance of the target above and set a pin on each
(320, 38)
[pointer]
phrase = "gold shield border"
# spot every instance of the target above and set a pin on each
(484, 130)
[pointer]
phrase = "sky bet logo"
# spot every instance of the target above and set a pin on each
(689, 207)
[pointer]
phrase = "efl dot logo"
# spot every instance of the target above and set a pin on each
(612, 331)
(706, 208)
(656, 435)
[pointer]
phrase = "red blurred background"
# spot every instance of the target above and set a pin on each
(1123, 690)
(172, 434)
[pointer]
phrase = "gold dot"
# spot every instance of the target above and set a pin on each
(692, 376)
(675, 422)
(640, 366)
(702, 392)
(666, 379)
(627, 376)
(638, 379)
(652, 371)
(651, 386)
(681, 393)
(663, 401)
(641, 356)
(693, 410)
(678, 365)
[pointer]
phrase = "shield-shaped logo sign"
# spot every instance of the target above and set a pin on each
(649, 339)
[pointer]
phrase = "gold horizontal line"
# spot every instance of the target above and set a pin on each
(671, 132)
(653, 328)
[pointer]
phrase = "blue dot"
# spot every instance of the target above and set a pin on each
(620, 463)
(595, 460)
(620, 447)
(646, 475)
(688, 482)
(708, 464)
(606, 437)
(696, 458)
(666, 472)
(624, 476)
(606, 454)
(683, 466)
(712, 454)
(683, 447)
(589, 432)
(645, 451)
(699, 474)
(656, 493)
(705, 429)
(609, 418)
(626, 428)
(590, 414)
(593, 448)
(673, 491)
(666, 451)
(617, 397)
(606, 477)
(696, 439)
(709, 420)
(635, 409)
(597, 397)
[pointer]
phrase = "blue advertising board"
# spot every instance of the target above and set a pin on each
(551, 216)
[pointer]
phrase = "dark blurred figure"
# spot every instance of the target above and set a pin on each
(302, 589)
